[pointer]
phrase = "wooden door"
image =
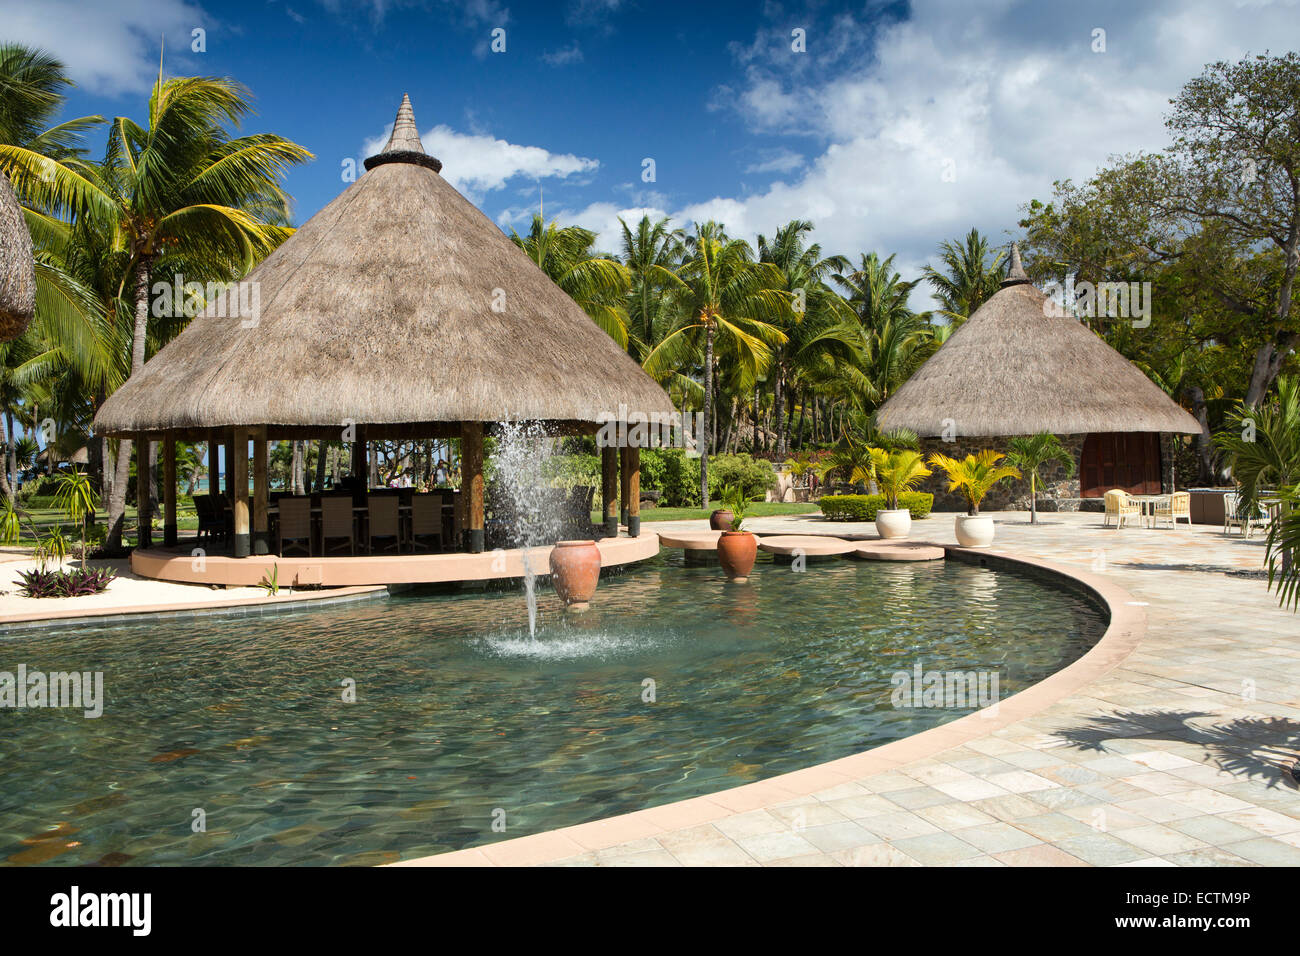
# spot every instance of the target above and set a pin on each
(1129, 461)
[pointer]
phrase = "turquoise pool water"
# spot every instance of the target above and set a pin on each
(461, 720)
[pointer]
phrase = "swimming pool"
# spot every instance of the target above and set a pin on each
(465, 731)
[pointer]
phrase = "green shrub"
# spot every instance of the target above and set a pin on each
(568, 471)
(755, 476)
(864, 507)
(674, 474)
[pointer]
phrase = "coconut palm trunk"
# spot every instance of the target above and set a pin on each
(1033, 498)
(122, 472)
(708, 408)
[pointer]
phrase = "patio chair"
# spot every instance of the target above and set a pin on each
(382, 511)
(207, 520)
(426, 519)
(294, 529)
(1120, 508)
(1236, 514)
(1175, 506)
(336, 524)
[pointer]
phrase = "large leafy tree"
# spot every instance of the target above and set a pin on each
(724, 298)
(180, 185)
(648, 251)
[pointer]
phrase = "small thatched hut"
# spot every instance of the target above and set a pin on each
(17, 270)
(398, 309)
(1018, 367)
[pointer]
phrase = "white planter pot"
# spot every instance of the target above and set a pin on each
(893, 523)
(974, 531)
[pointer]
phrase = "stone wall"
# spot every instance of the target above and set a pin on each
(1056, 492)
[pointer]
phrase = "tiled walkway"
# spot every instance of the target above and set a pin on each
(1179, 756)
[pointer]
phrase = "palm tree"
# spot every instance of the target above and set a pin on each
(182, 187)
(817, 318)
(597, 283)
(897, 472)
(1263, 444)
(1029, 453)
(974, 475)
(652, 247)
(728, 299)
(969, 279)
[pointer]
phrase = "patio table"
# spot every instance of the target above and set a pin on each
(1148, 504)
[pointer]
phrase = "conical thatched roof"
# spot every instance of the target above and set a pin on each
(399, 302)
(17, 271)
(1017, 368)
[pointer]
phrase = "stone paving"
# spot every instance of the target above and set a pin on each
(1180, 756)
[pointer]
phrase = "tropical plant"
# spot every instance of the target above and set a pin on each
(597, 283)
(851, 461)
(897, 472)
(975, 475)
(11, 526)
(1030, 453)
(270, 582)
(1262, 445)
(78, 500)
(74, 582)
(52, 547)
(736, 501)
(1283, 550)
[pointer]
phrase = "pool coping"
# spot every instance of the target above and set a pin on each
(133, 613)
(1124, 631)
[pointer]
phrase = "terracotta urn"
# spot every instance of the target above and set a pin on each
(737, 551)
(974, 531)
(721, 519)
(575, 570)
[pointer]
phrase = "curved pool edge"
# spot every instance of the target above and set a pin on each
(1125, 629)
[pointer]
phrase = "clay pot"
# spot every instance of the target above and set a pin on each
(974, 531)
(893, 523)
(575, 570)
(721, 519)
(737, 551)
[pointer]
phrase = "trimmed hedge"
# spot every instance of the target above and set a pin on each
(864, 507)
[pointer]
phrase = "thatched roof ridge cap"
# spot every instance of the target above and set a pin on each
(1015, 272)
(404, 145)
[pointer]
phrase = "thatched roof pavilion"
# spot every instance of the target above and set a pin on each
(17, 271)
(398, 303)
(1018, 366)
(399, 309)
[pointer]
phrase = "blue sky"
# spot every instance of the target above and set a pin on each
(902, 124)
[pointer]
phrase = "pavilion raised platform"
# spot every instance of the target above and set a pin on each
(179, 564)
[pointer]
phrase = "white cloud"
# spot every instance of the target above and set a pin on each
(562, 56)
(110, 46)
(780, 160)
(477, 163)
(1009, 91)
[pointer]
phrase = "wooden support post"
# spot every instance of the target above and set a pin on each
(238, 470)
(261, 521)
(230, 470)
(634, 492)
(624, 484)
(214, 463)
(609, 489)
(169, 492)
(360, 460)
(143, 506)
(471, 470)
